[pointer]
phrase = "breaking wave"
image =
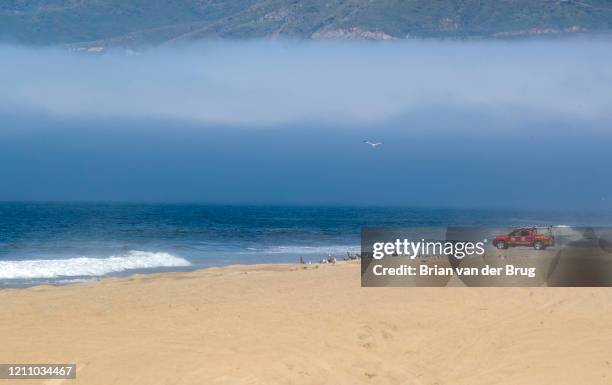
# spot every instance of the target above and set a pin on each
(87, 266)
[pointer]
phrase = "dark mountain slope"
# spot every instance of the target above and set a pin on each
(154, 21)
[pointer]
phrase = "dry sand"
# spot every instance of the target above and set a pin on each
(282, 324)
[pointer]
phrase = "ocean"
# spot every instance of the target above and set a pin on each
(59, 243)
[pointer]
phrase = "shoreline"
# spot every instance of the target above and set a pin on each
(286, 324)
(161, 272)
(155, 272)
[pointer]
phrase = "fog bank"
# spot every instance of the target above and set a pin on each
(263, 83)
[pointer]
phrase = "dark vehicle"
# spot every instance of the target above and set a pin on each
(537, 238)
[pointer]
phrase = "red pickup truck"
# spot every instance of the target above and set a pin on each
(539, 239)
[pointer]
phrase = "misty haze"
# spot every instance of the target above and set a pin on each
(284, 122)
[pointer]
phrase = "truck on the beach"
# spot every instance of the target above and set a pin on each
(538, 238)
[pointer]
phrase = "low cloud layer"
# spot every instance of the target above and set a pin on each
(275, 83)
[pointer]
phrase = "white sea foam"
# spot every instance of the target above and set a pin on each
(87, 266)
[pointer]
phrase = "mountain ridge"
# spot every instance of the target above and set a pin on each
(138, 22)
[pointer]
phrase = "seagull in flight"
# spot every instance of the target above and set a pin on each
(373, 144)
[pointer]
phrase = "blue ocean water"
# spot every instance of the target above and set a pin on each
(69, 242)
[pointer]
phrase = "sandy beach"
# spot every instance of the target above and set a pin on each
(289, 324)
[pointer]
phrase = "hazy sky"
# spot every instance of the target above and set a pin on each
(520, 124)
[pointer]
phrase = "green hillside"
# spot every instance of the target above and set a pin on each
(153, 21)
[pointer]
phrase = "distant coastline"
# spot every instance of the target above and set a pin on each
(107, 23)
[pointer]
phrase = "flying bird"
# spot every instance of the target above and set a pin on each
(373, 144)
